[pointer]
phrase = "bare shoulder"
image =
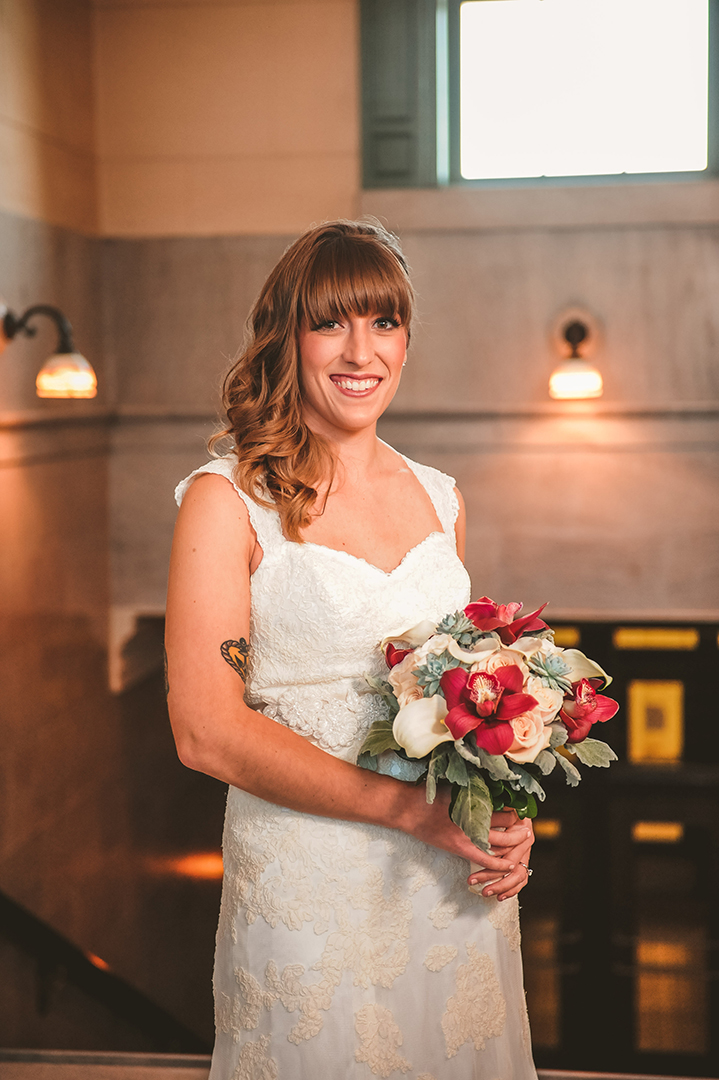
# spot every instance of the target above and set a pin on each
(213, 515)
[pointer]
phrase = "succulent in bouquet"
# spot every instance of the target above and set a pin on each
(486, 702)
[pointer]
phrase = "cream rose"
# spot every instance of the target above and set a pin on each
(505, 657)
(403, 680)
(531, 729)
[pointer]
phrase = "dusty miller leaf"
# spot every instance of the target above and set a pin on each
(457, 772)
(559, 735)
(594, 752)
(472, 811)
(437, 770)
(573, 774)
(529, 782)
(545, 762)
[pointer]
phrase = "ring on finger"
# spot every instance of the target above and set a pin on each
(529, 872)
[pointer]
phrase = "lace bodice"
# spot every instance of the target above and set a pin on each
(318, 615)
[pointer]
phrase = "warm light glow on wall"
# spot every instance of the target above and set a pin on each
(66, 375)
(575, 379)
(199, 865)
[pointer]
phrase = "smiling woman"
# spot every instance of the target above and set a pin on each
(337, 292)
(348, 934)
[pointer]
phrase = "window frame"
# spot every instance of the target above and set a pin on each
(429, 125)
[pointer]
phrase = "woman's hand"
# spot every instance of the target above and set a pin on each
(511, 839)
(433, 825)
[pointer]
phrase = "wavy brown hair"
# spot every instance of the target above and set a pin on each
(335, 270)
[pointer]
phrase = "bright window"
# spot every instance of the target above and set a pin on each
(582, 87)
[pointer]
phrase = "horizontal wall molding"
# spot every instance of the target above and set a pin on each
(632, 615)
(502, 205)
(151, 414)
(35, 439)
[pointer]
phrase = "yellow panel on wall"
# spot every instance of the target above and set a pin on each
(656, 720)
(568, 637)
(547, 828)
(657, 832)
(677, 638)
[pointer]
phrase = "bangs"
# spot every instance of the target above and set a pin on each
(355, 276)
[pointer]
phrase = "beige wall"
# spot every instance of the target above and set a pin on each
(175, 118)
(217, 118)
(47, 168)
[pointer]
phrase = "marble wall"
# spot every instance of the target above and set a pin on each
(231, 117)
(47, 116)
(577, 503)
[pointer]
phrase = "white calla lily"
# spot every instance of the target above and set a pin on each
(413, 635)
(528, 645)
(581, 667)
(470, 656)
(418, 726)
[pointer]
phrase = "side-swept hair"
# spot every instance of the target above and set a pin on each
(338, 269)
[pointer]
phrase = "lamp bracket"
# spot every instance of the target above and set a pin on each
(13, 324)
(575, 332)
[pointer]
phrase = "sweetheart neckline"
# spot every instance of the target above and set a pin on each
(373, 566)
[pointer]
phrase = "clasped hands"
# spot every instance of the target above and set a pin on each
(511, 841)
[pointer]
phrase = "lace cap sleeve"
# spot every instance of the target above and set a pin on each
(264, 521)
(441, 489)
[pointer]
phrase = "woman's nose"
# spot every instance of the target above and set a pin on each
(358, 349)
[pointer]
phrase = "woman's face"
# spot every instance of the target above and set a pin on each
(349, 371)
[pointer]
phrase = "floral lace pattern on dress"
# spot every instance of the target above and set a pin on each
(255, 1063)
(379, 1038)
(477, 1011)
(504, 916)
(438, 956)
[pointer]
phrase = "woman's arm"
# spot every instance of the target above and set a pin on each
(217, 733)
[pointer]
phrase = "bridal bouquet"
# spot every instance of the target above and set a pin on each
(487, 702)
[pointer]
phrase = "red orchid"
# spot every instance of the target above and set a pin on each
(587, 707)
(395, 656)
(486, 616)
(485, 704)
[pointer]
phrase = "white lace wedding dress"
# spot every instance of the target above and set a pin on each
(349, 951)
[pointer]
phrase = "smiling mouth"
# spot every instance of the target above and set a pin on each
(356, 387)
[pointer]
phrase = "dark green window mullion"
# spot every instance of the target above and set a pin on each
(713, 112)
(398, 43)
(453, 45)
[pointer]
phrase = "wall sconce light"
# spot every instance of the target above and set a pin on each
(575, 377)
(65, 374)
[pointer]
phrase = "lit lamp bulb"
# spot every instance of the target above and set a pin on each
(575, 377)
(66, 375)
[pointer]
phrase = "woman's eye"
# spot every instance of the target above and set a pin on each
(386, 323)
(329, 324)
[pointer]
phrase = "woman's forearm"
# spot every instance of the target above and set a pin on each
(266, 759)
(270, 761)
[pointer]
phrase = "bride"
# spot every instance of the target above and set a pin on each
(349, 943)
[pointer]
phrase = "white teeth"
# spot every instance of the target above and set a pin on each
(356, 384)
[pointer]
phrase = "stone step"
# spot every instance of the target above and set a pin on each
(87, 1065)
